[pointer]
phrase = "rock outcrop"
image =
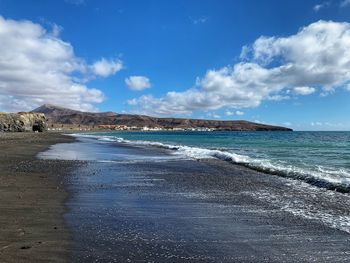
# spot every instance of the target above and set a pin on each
(22, 122)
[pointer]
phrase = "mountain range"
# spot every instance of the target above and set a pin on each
(60, 115)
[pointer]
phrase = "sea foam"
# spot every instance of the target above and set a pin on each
(320, 176)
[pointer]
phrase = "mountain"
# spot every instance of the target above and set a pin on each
(60, 115)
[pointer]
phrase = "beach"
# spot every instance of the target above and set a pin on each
(87, 200)
(174, 131)
(32, 197)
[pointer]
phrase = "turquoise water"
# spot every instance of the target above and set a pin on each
(320, 158)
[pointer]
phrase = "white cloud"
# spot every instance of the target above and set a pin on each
(37, 67)
(303, 90)
(56, 29)
(287, 123)
(318, 56)
(232, 113)
(105, 68)
(320, 6)
(200, 20)
(138, 82)
(344, 3)
(277, 97)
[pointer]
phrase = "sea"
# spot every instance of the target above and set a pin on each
(318, 158)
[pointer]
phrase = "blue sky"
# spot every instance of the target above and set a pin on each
(181, 58)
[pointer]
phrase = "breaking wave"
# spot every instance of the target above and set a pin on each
(321, 177)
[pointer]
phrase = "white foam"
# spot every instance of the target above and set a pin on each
(320, 173)
(302, 208)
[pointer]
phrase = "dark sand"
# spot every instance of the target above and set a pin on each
(176, 210)
(32, 228)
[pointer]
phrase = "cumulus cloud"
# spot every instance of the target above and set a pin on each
(304, 90)
(37, 67)
(105, 68)
(316, 57)
(138, 82)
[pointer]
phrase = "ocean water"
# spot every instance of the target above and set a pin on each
(318, 158)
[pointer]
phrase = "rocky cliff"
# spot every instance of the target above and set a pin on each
(59, 115)
(22, 122)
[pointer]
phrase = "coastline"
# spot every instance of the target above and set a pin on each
(145, 204)
(32, 206)
(128, 203)
(330, 176)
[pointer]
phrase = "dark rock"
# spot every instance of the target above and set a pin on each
(26, 247)
(39, 126)
(22, 122)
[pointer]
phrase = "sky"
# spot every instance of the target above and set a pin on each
(278, 62)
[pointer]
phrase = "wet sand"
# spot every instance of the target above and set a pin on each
(131, 204)
(32, 197)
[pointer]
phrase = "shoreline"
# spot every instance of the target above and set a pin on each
(144, 204)
(32, 226)
(308, 176)
(170, 209)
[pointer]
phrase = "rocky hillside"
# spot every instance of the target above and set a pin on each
(22, 122)
(59, 115)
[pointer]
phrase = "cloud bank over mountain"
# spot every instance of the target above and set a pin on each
(315, 59)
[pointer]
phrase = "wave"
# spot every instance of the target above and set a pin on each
(323, 179)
